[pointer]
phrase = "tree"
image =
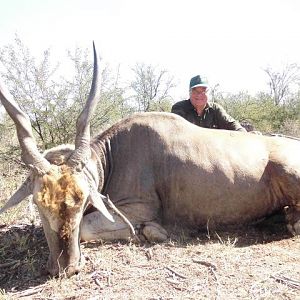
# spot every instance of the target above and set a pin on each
(151, 88)
(30, 84)
(280, 83)
(112, 105)
(258, 112)
(53, 103)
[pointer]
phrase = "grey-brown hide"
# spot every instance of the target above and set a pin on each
(165, 170)
(160, 170)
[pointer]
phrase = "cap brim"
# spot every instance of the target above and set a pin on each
(197, 85)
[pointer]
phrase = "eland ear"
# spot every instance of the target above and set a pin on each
(96, 200)
(23, 191)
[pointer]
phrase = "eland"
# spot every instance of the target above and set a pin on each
(158, 169)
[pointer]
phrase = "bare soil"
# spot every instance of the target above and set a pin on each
(252, 262)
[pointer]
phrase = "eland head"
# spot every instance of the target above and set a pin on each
(61, 185)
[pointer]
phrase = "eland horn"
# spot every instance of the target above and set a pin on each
(30, 153)
(82, 140)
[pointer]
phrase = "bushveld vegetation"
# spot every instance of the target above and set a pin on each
(260, 262)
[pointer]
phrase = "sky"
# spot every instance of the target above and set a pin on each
(229, 42)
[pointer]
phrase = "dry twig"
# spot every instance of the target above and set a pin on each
(205, 263)
(9, 264)
(97, 281)
(287, 281)
(30, 291)
(173, 281)
(149, 254)
(98, 275)
(176, 273)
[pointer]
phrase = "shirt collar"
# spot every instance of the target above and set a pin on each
(207, 106)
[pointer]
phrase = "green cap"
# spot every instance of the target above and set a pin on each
(198, 81)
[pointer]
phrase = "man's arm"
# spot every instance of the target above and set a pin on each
(225, 121)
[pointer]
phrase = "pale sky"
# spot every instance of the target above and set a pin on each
(229, 42)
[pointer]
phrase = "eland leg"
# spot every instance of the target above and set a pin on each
(153, 232)
(94, 226)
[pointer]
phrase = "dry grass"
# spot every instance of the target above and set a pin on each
(258, 262)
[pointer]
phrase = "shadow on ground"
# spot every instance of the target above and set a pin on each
(23, 256)
(272, 228)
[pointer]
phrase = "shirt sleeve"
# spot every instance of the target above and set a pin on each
(225, 121)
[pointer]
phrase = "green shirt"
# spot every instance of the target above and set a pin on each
(214, 116)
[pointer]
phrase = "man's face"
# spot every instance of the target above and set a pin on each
(198, 97)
